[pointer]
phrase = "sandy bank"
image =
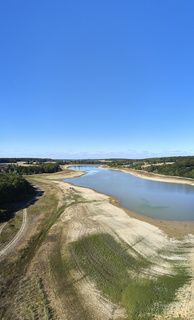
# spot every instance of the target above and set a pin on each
(97, 213)
(153, 176)
(65, 174)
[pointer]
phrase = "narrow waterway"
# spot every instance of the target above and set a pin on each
(161, 200)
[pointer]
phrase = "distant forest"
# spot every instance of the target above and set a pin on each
(39, 161)
(27, 160)
(183, 168)
(32, 169)
(173, 166)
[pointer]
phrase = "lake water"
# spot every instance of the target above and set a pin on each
(168, 201)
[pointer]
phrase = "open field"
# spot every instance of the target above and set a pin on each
(83, 257)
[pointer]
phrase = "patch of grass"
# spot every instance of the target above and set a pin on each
(28, 251)
(108, 263)
(60, 273)
(12, 271)
(11, 228)
(47, 310)
(31, 301)
(48, 203)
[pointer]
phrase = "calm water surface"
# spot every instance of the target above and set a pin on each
(160, 200)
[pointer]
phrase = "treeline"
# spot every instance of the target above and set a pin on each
(173, 166)
(13, 188)
(181, 168)
(168, 159)
(33, 169)
(27, 160)
(147, 161)
(82, 161)
(38, 161)
(121, 162)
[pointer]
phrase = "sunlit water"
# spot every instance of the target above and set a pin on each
(155, 199)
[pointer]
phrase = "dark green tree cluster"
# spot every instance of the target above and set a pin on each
(79, 161)
(13, 188)
(182, 168)
(34, 169)
(8, 160)
(27, 160)
(174, 166)
(120, 162)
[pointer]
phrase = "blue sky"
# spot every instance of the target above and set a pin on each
(96, 79)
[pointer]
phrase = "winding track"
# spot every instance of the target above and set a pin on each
(2, 226)
(17, 237)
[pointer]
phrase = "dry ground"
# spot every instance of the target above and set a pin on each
(43, 279)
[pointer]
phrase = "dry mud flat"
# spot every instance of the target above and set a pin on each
(94, 214)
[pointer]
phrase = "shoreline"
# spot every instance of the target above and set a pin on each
(172, 228)
(90, 212)
(153, 176)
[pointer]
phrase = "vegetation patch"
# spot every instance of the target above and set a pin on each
(13, 188)
(32, 301)
(12, 273)
(11, 228)
(28, 251)
(173, 166)
(112, 267)
(59, 270)
(33, 169)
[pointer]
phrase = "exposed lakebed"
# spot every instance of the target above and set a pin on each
(160, 200)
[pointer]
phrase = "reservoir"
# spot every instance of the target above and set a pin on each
(160, 200)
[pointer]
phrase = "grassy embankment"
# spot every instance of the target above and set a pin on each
(121, 277)
(11, 228)
(16, 290)
(26, 294)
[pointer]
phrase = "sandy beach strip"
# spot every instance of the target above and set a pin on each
(153, 176)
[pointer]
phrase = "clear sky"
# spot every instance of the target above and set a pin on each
(96, 78)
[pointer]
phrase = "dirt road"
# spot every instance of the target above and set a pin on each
(2, 226)
(10, 246)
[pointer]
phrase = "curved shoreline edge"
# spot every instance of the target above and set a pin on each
(171, 228)
(153, 176)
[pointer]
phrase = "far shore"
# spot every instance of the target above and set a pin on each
(153, 176)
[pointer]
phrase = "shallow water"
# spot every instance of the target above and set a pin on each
(161, 200)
